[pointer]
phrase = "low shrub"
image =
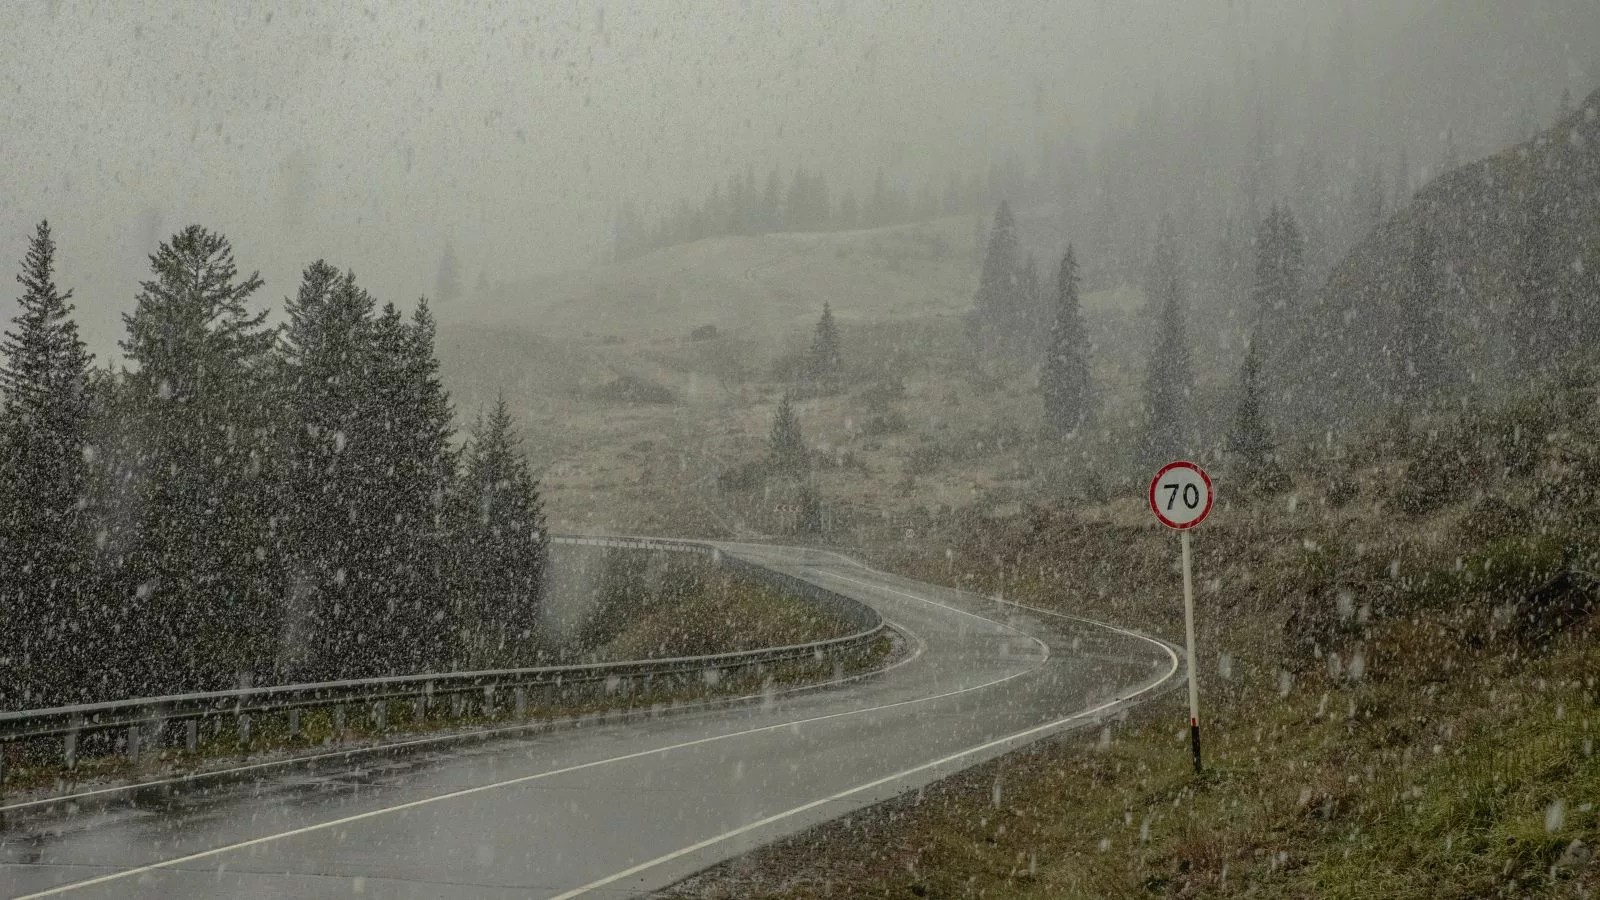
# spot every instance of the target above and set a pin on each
(635, 389)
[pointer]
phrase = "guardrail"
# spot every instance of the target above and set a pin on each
(148, 719)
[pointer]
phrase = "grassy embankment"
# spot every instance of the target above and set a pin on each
(1398, 678)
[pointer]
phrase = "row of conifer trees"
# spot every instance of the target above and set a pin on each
(240, 503)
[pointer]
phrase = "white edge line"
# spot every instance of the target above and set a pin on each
(523, 779)
(887, 779)
(700, 845)
(456, 736)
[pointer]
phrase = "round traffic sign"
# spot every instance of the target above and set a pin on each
(1181, 495)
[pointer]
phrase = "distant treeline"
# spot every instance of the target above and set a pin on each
(248, 504)
(804, 202)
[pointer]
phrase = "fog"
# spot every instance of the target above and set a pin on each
(373, 137)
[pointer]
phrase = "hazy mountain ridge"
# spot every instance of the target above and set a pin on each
(1494, 222)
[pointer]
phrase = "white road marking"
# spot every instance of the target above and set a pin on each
(887, 779)
(524, 779)
(484, 734)
(879, 587)
(1171, 650)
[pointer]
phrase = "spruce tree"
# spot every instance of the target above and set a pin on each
(44, 551)
(786, 444)
(1279, 275)
(412, 410)
(502, 545)
(336, 459)
(809, 516)
(772, 203)
(996, 302)
(1250, 440)
(447, 283)
(824, 359)
(1064, 377)
(200, 576)
(1168, 380)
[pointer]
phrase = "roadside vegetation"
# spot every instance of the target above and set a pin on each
(1398, 689)
(648, 606)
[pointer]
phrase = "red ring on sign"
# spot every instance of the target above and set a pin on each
(1210, 494)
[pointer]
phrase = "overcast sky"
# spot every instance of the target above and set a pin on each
(370, 137)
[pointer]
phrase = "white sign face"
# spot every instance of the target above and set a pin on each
(1181, 495)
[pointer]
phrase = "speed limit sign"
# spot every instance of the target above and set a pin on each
(1181, 495)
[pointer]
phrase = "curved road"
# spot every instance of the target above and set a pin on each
(613, 810)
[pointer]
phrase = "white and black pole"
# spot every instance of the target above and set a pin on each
(1181, 496)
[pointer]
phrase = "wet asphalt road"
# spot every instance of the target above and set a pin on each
(611, 810)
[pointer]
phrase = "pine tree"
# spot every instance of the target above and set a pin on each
(1064, 377)
(1419, 346)
(334, 473)
(1279, 274)
(447, 283)
(772, 204)
(412, 409)
(44, 551)
(786, 444)
(809, 517)
(996, 302)
(502, 545)
(823, 359)
(200, 575)
(1250, 441)
(1168, 380)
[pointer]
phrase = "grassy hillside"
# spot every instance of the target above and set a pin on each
(766, 286)
(1397, 679)
(642, 433)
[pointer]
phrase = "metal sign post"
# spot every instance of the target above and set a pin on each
(1181, 497)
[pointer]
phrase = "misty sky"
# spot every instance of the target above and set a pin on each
(371, 137)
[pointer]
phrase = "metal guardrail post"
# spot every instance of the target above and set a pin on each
(294, 722)
(521, 700)
(191, 735)
(338, 723)
(133, 743)
(244, 731)
(380, 714)
(69, 743)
